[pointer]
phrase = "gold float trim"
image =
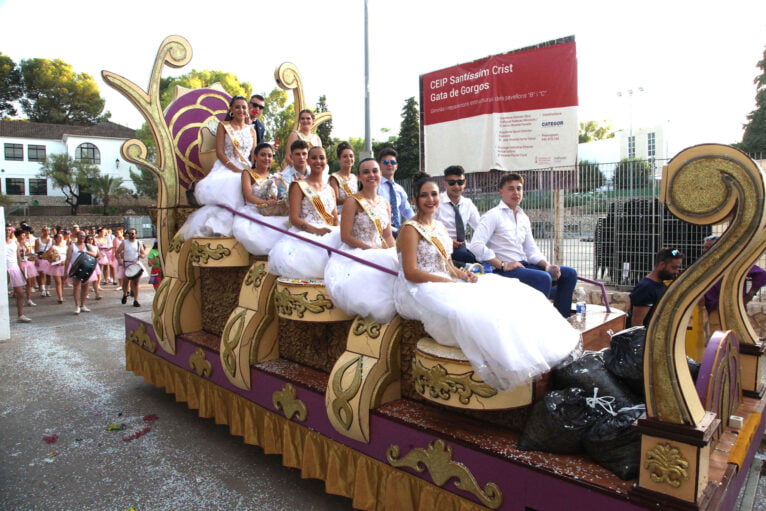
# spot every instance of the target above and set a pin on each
(256, 275)
(441, 384)
(667, 465)
(437, 459)
(200, 364)
(176, 244)
(203, 253)
(141, 337)
(366, 326)
(230, 342)
(340, 407)
(288, 303)
(287, 401)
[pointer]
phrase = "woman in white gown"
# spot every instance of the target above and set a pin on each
(234, 141)
(261, 191)
(305, 125)
(344, 182)
(508, 330)
(365, 230)
(314, 216)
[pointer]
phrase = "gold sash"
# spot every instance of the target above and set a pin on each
(367, 208)
(316, 201)
(235, 142)
(429, 237)
(343, 183)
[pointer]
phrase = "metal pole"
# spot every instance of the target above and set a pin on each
(367, 137)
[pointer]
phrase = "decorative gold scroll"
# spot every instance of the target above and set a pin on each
(667, 465)
(287, 401)
(200, 364)
(288, 78)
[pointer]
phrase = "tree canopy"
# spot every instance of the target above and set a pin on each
(632, 173)
(590, 131)
(408, 142)
(201, 79)
(589, 175)
(11, 86)
(55, 93)
(754, 138)
(73, 177)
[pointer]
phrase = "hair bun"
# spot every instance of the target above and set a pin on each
(420, 175)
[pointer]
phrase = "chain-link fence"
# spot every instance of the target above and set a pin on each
(611, 222)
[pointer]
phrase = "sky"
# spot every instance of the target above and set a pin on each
(695, 60)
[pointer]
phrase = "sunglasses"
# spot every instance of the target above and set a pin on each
(389, 162)
(256, 105)
(453, 182)
(675, 253)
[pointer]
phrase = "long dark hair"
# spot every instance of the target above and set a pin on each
(231, 104)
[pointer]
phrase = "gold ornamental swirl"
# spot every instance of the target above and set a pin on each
(366, 326)
(200, 364)
(340, 407)
(287, 401)
(203, 253)
(231, 340)
(703, 185)
(437, 459)
(667, 465)
(288, 77)
(288, 303)
(256, 274)
(441, 385)
(175, 51)
(141, 337)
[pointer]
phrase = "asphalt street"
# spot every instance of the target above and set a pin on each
(63, 377)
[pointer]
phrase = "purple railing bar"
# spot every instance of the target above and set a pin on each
(320, 245)
(604, 296)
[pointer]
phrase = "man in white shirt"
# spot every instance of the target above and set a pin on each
(504, 240)
(456, 212)
(299, 150)
(401, 211)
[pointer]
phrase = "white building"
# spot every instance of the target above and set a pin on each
(26, 144)
(642, 143)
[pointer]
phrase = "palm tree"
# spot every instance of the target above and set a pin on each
(106, 187)
(69, 175)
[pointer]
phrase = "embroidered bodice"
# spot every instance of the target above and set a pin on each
(312, 139)
(364, 229)
(429, 258)
(265, 188)
(352, 184)
(309, 212)
(244, 140)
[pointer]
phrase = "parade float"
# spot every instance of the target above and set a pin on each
(389, 418)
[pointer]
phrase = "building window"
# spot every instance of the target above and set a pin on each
(631, 147)
(87, 153)
(38, 187)
(14, 152)
(651, 145)
(14, 186)
(35, 152)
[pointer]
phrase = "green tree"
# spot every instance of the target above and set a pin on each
(408, 142)
(594, 130)
(11, 86)
(201, 79)
(279, 119)
(54, 93)
(325, 129)
(70, 176)
(590, 176)
(632, 173)
(107, 187)
(145, 182)
(754, 138)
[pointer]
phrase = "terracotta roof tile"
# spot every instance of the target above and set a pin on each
(26, 129)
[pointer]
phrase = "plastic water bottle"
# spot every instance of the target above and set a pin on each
(580, 301)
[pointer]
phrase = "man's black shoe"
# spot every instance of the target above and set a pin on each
(136, 304)
(124, 299)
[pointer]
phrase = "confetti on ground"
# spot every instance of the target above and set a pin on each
(119, 426)
(149, 419)
(51, 439)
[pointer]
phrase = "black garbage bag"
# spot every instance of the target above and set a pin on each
(613, 442)
(588, 373)
(558, 422)
(625, 358)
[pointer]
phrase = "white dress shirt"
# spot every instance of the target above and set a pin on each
(506, 236)
(468, 212)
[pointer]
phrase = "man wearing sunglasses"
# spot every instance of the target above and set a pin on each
(257, 104)
(649, 290)
(401, 211)
(456, 212)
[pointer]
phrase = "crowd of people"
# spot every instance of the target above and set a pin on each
(504, 323)
(43, 264)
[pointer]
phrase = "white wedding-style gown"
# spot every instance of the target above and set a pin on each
(256, 238)
(508, 331)
(294, 258)
(359, 289)
(220, 186)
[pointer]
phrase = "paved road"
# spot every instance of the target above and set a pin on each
(65, 375)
